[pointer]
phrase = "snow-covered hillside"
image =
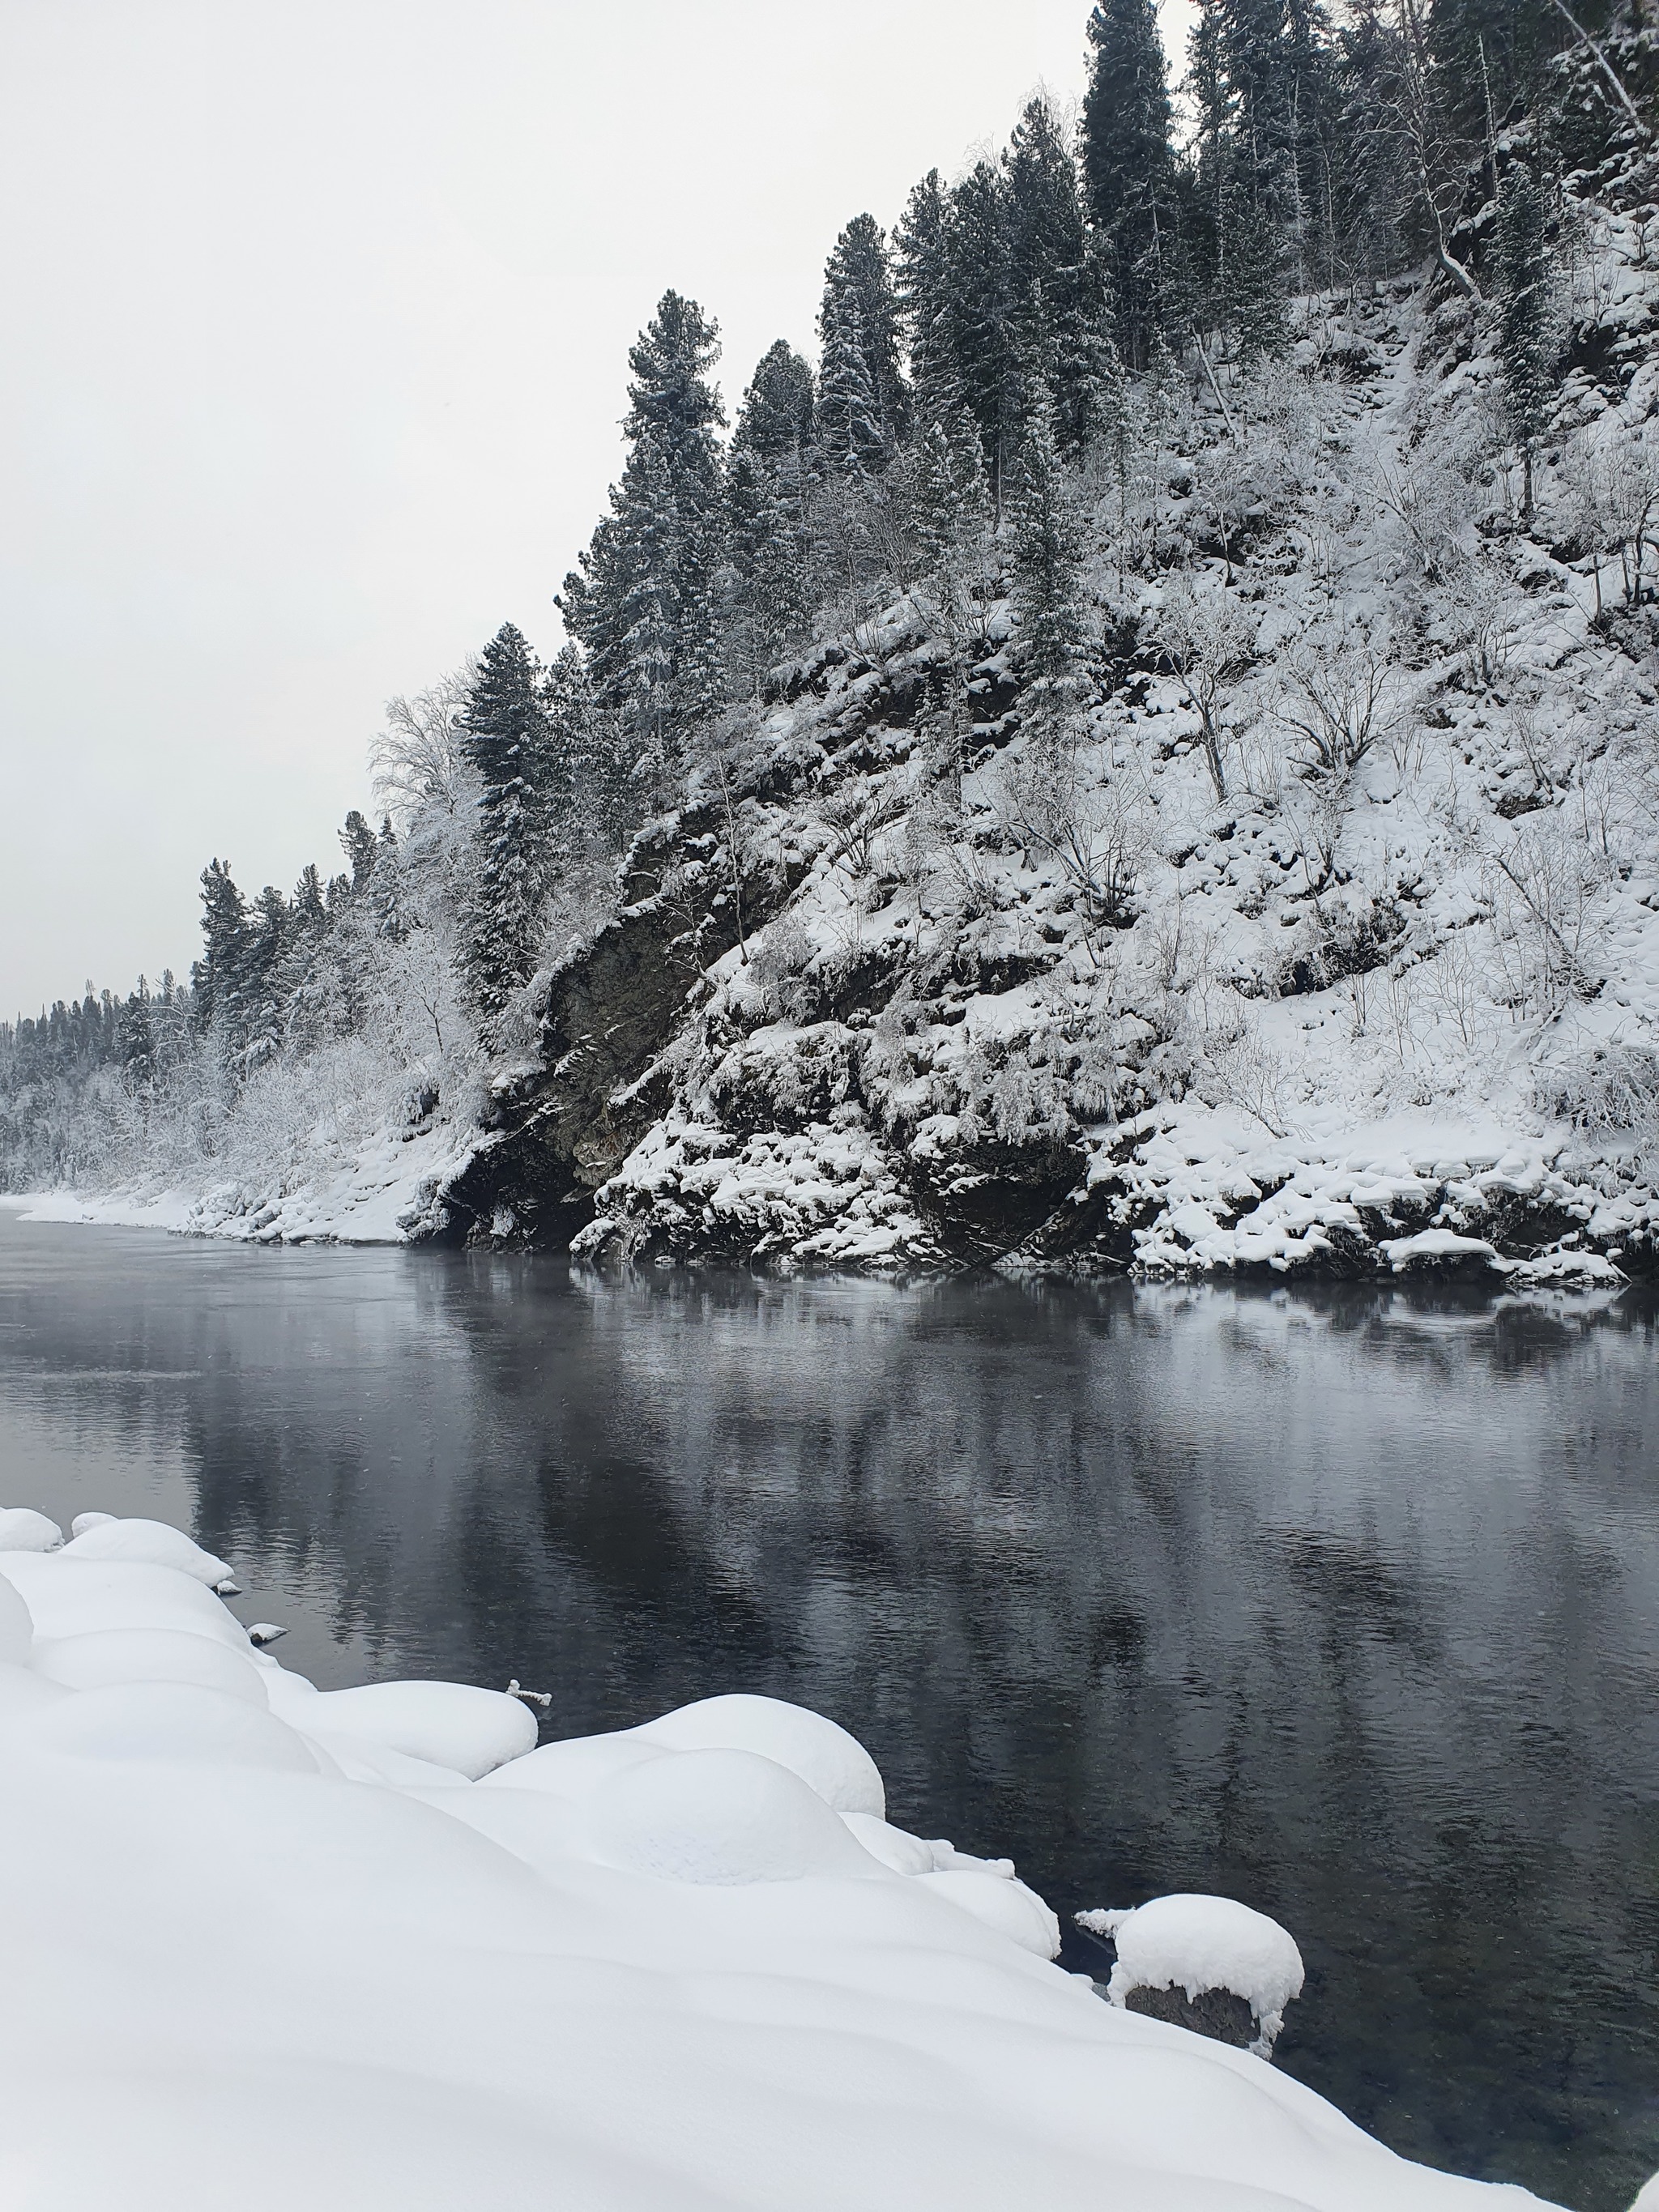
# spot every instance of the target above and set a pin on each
(1380, 996)
(370, 1948)
(1079, 778)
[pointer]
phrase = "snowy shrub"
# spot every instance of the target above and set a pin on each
(1611, 1092)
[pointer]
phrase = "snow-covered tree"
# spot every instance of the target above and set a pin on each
(505, 737)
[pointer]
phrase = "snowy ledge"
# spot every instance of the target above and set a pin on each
(274, 1947)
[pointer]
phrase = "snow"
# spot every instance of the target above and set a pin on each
(1197, 1943)
(145, 1543)
(22, 1529)
(254, 1947)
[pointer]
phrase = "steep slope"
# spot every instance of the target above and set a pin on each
(1372, 988)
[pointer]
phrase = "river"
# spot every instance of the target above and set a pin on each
(1346, 1606)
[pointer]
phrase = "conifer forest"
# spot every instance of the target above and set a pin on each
(1144, 753)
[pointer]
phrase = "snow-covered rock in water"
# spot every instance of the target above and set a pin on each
(829, 1760)
(24, 1530)
(1201, 1945)
(622, 1972)
(144, 1543)
(82, 1522)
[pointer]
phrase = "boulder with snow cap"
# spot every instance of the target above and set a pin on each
(149, 1544)
(1205, 1963)
(24, 1530)
(826, 1758)
(82, 1522)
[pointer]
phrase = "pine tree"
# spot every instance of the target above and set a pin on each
(924, 299)
(642, 601)
(357, 843)
(263, 1004)
(1047, 546)
(218, 978)
(774, 422)
(1528, 335)
(981, 307)
(504, 736)
(1129, 165)
(767, 535)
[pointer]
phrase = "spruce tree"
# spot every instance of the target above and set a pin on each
(859, 271)
(1061, 314)
(504, 737)
(1129, 165)
(849, 423)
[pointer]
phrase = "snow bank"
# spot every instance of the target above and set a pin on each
(1197, 1943)
(271, 1940)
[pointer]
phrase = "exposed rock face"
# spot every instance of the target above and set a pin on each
(1215, 2012)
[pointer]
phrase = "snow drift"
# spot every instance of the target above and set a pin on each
(274, 1944)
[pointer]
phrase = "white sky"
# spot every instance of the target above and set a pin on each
(316, 318)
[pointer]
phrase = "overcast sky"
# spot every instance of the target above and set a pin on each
(317, 313)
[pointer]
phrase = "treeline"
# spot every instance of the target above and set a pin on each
(988, 374)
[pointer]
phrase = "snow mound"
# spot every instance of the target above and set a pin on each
(82, 1522)
(1002, 1903)
(178, 1722)
(22, 1529)
(573, 1768)
(1197, 1943)
(101, 1658)
(720, 1817)
(148, 1544)
(70, 1596)
(447, 1724)
(829, 1761)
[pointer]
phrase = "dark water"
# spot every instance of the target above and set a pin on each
(1349, 1608)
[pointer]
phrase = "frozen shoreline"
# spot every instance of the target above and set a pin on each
(688, 1964)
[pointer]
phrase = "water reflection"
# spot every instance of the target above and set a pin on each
(1343, 1606)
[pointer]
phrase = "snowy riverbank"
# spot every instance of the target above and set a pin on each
(369, 1947)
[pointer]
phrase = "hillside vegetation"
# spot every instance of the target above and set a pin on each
(1146, 754)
